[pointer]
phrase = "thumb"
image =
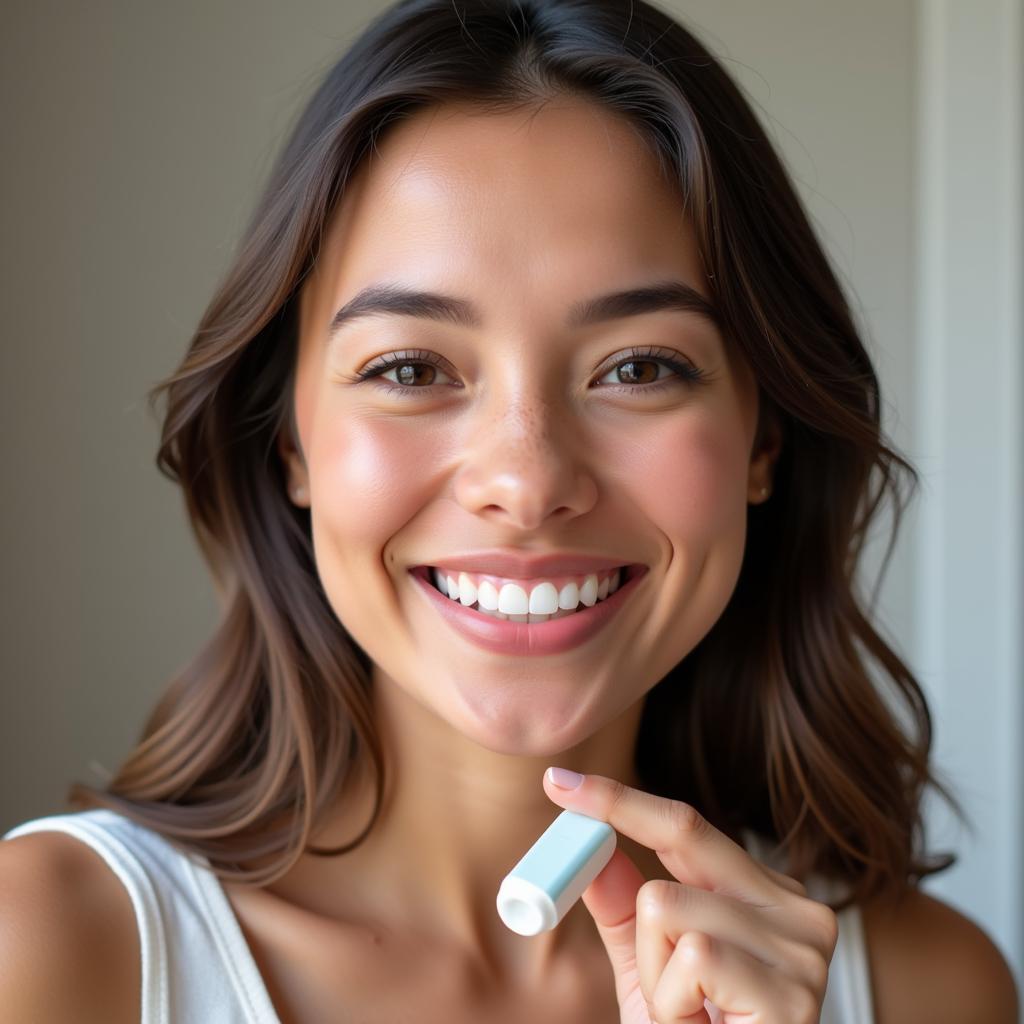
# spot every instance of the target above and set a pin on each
(611, 900)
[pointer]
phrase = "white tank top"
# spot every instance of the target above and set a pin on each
(196, 964)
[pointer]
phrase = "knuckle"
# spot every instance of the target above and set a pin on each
(697, 952)
(805, 1006)
(797, 886)
(793, 885)
(695, 955)
(682, 818)
(820, 976)
(822, 923)
(813, 968)
(698, 946)
(618, 795)
(828, 926)
(655, 896)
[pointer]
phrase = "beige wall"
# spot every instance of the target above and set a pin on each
(135, 138)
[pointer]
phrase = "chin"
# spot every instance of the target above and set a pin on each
(518, 721)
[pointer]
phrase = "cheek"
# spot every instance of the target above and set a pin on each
(368, 482)
(689, 481)
(370, 479)
(687, 473)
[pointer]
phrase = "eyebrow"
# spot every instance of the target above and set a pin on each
(396, 300)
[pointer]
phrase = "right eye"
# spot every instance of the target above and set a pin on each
(408, 370)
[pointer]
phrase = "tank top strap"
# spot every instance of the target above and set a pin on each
(155, 1007)
(196, 964)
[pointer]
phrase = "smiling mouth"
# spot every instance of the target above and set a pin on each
(520, 634)
(511, 601)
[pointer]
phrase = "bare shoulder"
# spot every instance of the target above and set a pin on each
(930, 963)
(69, 944)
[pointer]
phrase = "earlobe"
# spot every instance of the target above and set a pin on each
(767, 447)
(294, 467)
(298, 488)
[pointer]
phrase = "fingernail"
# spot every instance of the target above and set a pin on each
(564, 779)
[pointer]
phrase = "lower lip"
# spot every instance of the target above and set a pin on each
(552, 637)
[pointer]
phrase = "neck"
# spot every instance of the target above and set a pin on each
(455, 819)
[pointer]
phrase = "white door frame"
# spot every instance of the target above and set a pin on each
(969, 578)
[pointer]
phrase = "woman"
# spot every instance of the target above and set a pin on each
(530, 428)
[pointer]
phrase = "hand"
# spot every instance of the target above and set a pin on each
(732, 940)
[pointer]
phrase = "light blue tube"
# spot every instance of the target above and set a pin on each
(538, 892)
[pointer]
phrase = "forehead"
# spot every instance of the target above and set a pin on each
(538, 206)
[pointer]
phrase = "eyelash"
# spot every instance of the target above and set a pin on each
(687, 373)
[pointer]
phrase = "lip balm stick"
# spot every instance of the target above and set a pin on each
(538, 892)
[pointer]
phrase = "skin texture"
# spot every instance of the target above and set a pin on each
(524, 214)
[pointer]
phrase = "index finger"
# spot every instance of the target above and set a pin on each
(687, 844)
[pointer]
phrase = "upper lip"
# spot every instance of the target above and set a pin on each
(522, 567)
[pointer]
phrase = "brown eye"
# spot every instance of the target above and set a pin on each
(415, 373)
(638, 371)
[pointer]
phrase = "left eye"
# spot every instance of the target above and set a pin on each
(412, 373)
(636, 368)
(639, 370)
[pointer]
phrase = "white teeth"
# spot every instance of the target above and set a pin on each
(467, 589)
(487, 596)
(439, 581)
(512, 601)
(544, 599)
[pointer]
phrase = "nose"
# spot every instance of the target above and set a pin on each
(524, 465)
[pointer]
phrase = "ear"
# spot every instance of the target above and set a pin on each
(295, 473)
(764, 454)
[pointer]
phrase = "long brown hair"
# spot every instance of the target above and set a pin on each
(773, 721)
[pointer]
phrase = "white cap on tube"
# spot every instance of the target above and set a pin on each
(538, 892)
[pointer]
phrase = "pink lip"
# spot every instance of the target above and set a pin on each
(503, 637)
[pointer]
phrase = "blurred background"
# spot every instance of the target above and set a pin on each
(135, 138)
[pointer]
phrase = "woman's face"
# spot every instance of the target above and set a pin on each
(521, 431)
